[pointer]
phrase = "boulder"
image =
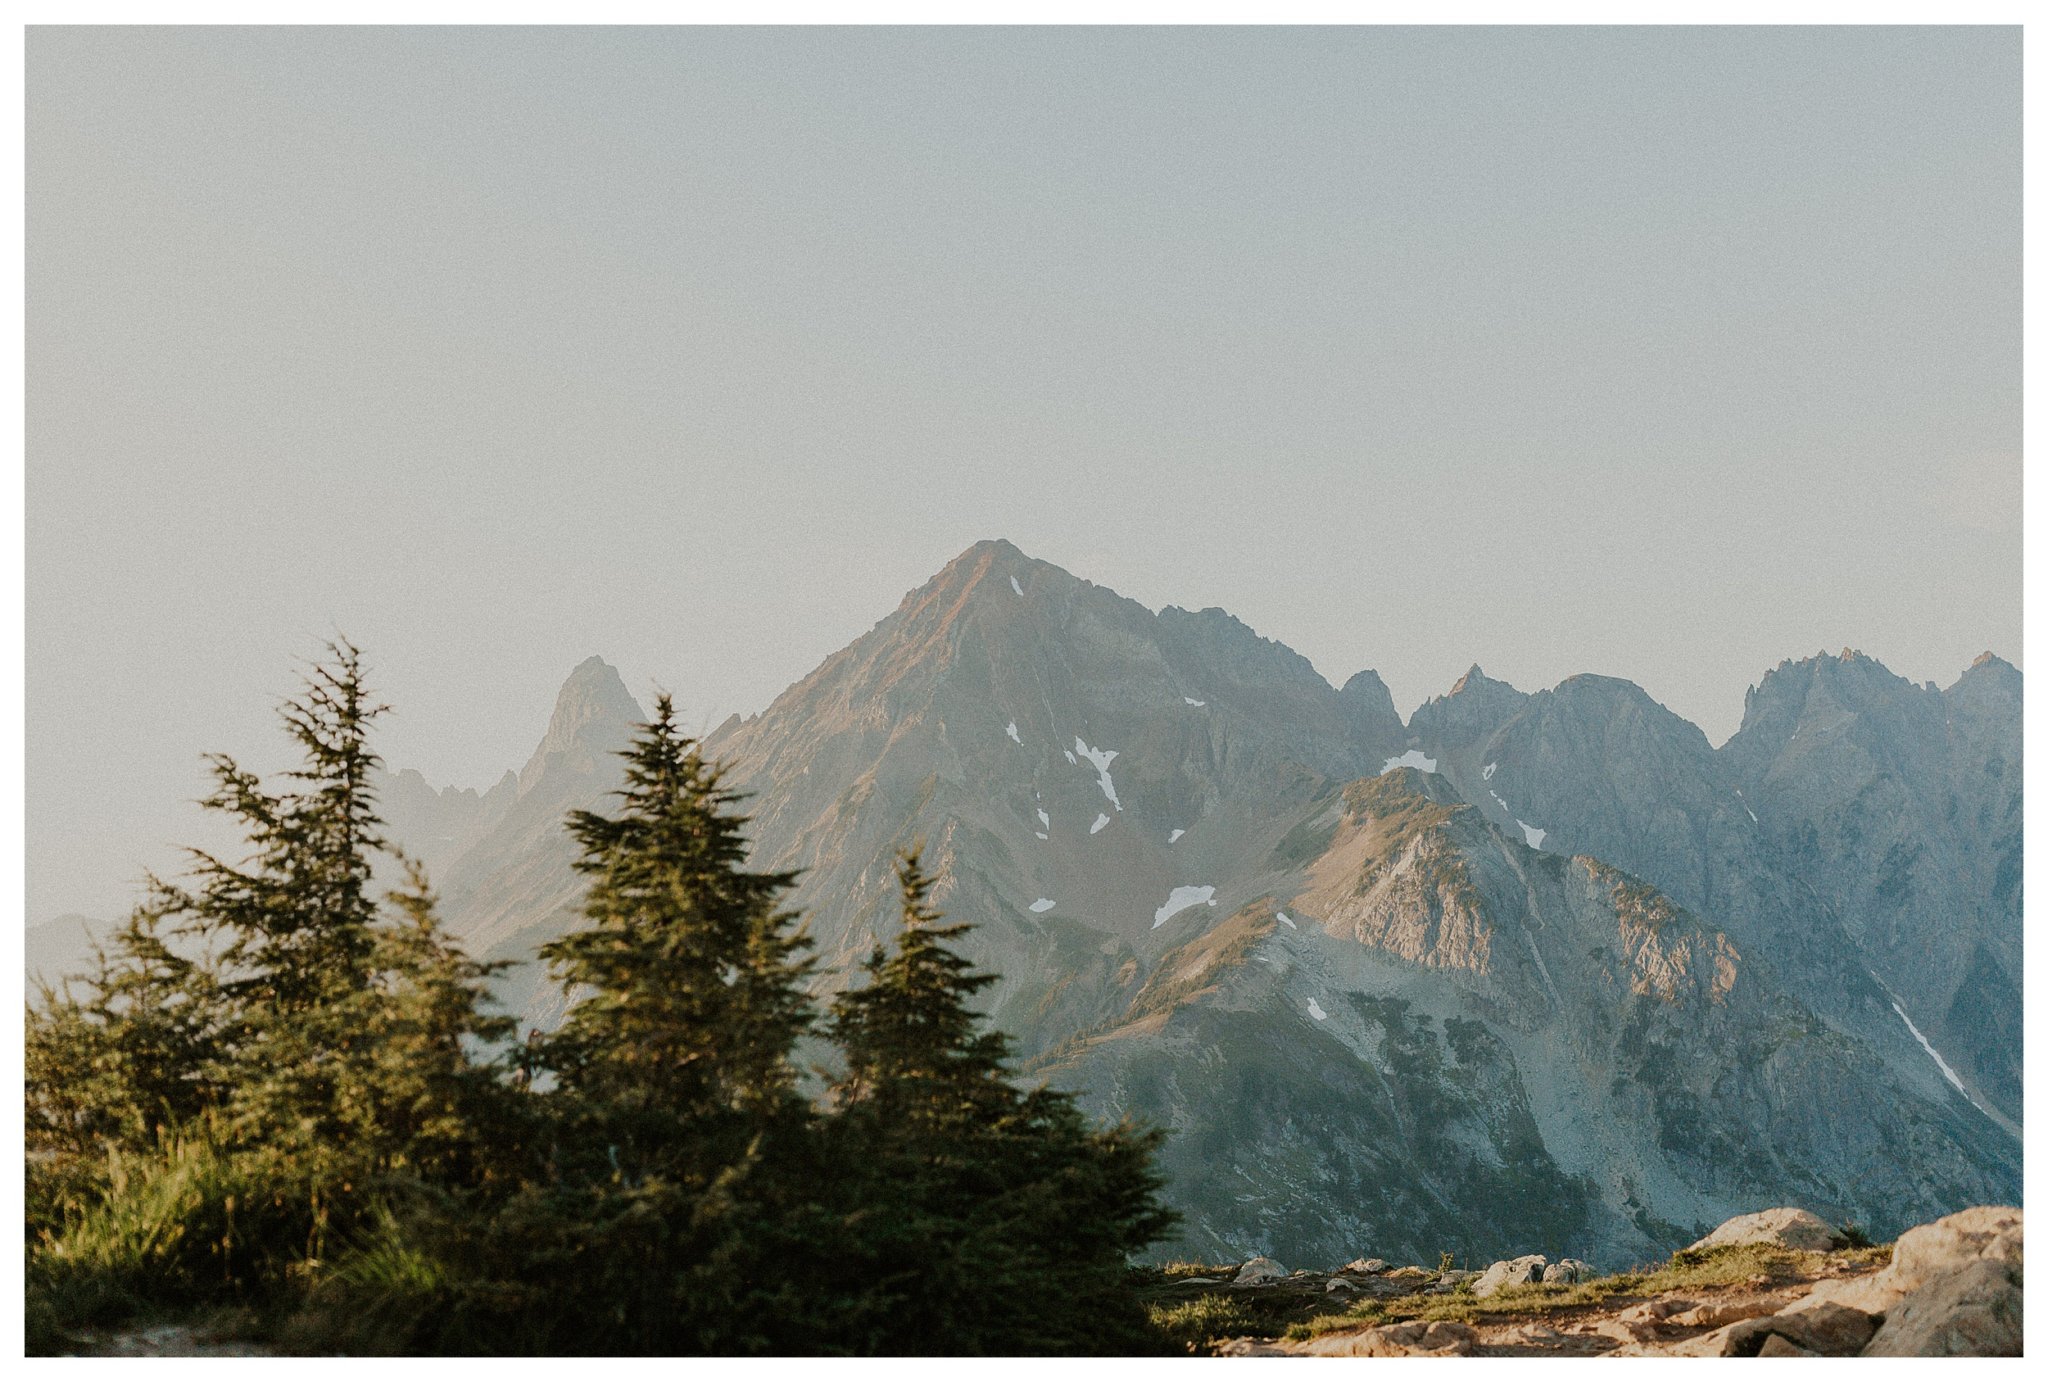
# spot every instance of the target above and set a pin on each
(1832, 1331)
(1568, 1269)
(1339, 1283)
(1412, 1339)
(1366, 1266)
(1777, 1347)
(1259, 1271)
(1778, 1228)
(1515, 1271)
(1977, 1312)
(1986, 1233)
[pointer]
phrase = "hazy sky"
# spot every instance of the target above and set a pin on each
(1667, 354)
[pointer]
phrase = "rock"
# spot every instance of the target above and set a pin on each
(1624, 1331)
(1366, 1266)
(1777, 1347)
(1568, 1269)
(1338, 1283)
(1515, 1271)
(1831, 1331)
(1977, 1312)
(1251, 1348)
(1408, 1274)
(1778, 1228)
(1662, 1308)
(1714, 1316)
(1836, 1331)
(1412, 1339)
(1259, 1271)
(1984, 1233)
(1199, 1281)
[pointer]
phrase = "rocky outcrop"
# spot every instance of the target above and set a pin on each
(1953, 1287)
(1259, 1271)
(1797, 1229)
(1415, 1339)
(1518, 1271)
(1550, 980)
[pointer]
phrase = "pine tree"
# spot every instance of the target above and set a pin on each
(688, 986)
(117, 1057)
(681, 1150)
(993, 1218)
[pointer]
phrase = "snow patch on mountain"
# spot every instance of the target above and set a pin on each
(1179, 900)
(1100, 821)
(1101, 758)
(1531, 834)
(1192, 701)
(1315, 1010)
(1414, 758)
(1486, 774)
(1175, 836)
(1288, 919)
(1044, 904)
(1014, 586)
(1045, 820)
(1012, 732)
(1947, 1072)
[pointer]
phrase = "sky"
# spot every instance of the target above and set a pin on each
(1667, 354)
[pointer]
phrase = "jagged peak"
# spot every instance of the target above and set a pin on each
(1987, 658)
(593, 710)
(1363, 682)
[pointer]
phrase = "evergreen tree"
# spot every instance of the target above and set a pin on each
(115, 1058)
(688, 986)
(680, 1146)
(993, 1218)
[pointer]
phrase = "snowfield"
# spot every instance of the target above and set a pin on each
(1179, 900)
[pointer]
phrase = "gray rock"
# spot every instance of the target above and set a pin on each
(1568, 1270)
(1259, 1271)
(1366, 1266)
(1515, 1271)
(1779, 1228)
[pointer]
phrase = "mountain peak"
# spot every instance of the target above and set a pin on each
(1987, 658)
(594, 714)
(1475, 680)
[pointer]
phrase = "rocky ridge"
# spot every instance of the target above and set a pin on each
(1529, 968)
(1779, 1283)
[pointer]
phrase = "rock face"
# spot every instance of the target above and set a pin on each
(1415, 1339)
(1531, 970)
(1259, 1270)
(1779, 1228)
(1518, 1271)
(1930, 1252)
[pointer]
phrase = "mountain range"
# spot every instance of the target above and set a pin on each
(1530, 971)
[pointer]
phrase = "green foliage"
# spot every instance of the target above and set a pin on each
(995, 1219)
(276, 1096)
(1196, 1326)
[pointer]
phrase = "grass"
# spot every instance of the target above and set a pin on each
(1180, 1271)
(1686, 1271)
(1195, 1326)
